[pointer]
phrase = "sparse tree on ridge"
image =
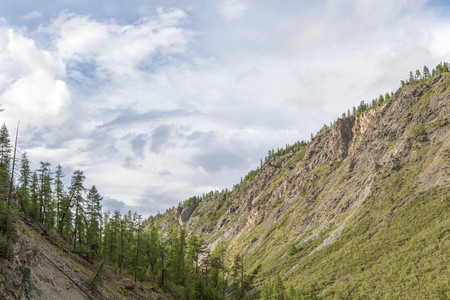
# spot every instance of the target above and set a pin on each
(418, 76)
(426, 72)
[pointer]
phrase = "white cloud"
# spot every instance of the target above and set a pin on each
(232, 9)
(118, 49)
(32, 15)
(151, 110)
(32, 82)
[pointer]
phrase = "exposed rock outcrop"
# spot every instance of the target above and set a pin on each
(184, 212)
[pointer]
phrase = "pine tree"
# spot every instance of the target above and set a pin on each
(93, 218)
(196, 247)
(137, 218)
(236, 271)
(426, 72)
(278, 289)
(5, 161)
(76, 197)
(115, 223)
(46, 211)
(24, 184)
(445, 67)
(60, 195)
(387, 96)
(34, 195)
(153, 249)
(418, 75)
(162, 251)
(122, 229)
(218, 267)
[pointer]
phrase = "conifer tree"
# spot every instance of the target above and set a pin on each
(236, 271)
(93, 218)
(5, 161)
(218, 267)
(59, 194)
(115, 223)
(106, 235)
(77, 199)
(122, 228)
(153, 250)
(24, 184)
(417, 75)
(196, 247)
(137, 218)
(46, 210)
(278, 289)
(426, 72)
(34, 195)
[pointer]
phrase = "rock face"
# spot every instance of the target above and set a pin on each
(184, 212)
(388, 155)
(333, 144)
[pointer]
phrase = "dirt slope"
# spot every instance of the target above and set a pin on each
(45, 268)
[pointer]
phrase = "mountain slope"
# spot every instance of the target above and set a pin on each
(45, 267)
(362, 210)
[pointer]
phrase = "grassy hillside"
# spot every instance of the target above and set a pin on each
(361, 211)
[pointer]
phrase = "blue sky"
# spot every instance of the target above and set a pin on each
(158, 101)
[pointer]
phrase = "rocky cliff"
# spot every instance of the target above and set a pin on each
(338, 213)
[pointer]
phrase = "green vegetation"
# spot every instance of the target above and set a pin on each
(395, 244)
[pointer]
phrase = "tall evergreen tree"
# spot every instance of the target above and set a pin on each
(34, 195)
(77, 198)
(46, 211)
(24, 184)
(154, 245)
(59, 195)
(94, 218)
(137, 219)
(426, 72)
(5, 161)
(218, 267)
(236, 270)
(418, 76)
(196, 248)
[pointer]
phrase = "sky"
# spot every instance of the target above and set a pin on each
(158, 101)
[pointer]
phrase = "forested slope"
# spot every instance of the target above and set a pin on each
(363, 210)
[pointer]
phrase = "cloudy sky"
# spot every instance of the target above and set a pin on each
(157, 101)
